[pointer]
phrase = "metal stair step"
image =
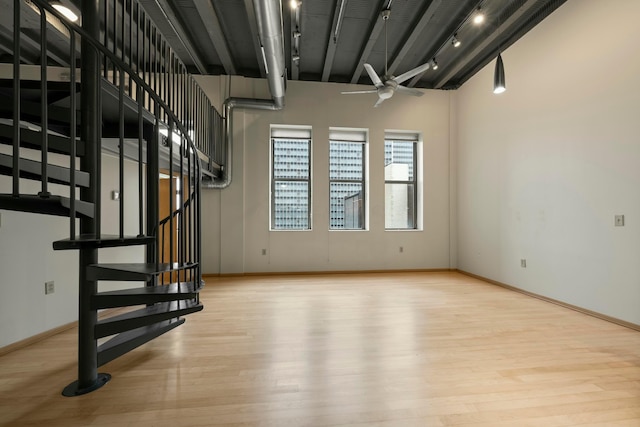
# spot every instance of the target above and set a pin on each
(51, 205)
(133, 272)
(31, 169)
(145, 295)
(30, 138)
(145, 316)
(104, 241)
(127, 341)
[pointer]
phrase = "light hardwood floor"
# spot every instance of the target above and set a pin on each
(407, 349)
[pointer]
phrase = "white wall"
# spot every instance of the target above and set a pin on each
(544, 167)
(238, 225)
(27, 258)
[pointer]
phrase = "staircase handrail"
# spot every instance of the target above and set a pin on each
(125, 68)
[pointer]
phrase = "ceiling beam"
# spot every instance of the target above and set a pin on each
(338, 16)
(461, 62)
(415, 33)
(214, 30)
(295, 44)
(443, 42)
(371, 41)
(253, 28)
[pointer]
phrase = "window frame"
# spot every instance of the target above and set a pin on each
(360, 136)
(305, 136)
(414, 139)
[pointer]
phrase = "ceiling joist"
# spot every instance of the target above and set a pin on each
(214, 30)
(332, 44)
(371, 41)
(415, 33)
(461, 62)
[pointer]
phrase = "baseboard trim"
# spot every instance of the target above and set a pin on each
(36, 338)
(316, 273)
(595, 314)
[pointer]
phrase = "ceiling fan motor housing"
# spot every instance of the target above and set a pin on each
(386, 91)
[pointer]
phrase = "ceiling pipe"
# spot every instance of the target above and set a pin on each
(270, 31)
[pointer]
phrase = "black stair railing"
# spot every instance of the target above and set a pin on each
(147, 75)
(136, 74)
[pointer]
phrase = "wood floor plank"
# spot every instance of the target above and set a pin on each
(401, 349)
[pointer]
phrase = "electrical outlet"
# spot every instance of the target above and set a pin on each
(619, 220)
(401, 249)
(264, 252)
(49, 287)
(523, 263)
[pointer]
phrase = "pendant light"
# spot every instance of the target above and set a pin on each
(499, 85)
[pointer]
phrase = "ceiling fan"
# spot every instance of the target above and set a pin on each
(388, 85)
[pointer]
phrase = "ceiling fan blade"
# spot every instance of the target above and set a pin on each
(409, 91)
(380, 101)
(351, 92)
(406, 76)
(373, 76)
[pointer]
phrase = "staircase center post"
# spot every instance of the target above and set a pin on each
(88, 377)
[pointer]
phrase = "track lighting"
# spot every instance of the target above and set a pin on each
(454, 41)
(297, 34)
(295, 58)
(295, 4)
(434, 64)
(499, 85)
(64, 10)
(478, 18)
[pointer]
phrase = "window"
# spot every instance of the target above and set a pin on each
(290, 178)
(401, 183)
(347, 159)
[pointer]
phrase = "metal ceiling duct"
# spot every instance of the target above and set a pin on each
(270, 30)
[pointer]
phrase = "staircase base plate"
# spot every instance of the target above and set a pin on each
(72, 389)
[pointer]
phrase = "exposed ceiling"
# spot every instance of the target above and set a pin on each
(338, 36)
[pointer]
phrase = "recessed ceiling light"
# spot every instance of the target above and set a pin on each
(64, 10)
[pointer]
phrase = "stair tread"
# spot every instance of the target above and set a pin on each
(32, 169)
(51, 205)
(172, 288)
(133, 271)
(144, 268)
(145, 316)
(103, 241)
(163, 307)
(145, 295)
(129, 340)
(31, 138)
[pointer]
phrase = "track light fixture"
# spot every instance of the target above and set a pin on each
(295, 58)
(297, 34)
(454, 41)
(64, 10)
(478, 18)
(434, 64)
(499, 85)
(295, 4)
